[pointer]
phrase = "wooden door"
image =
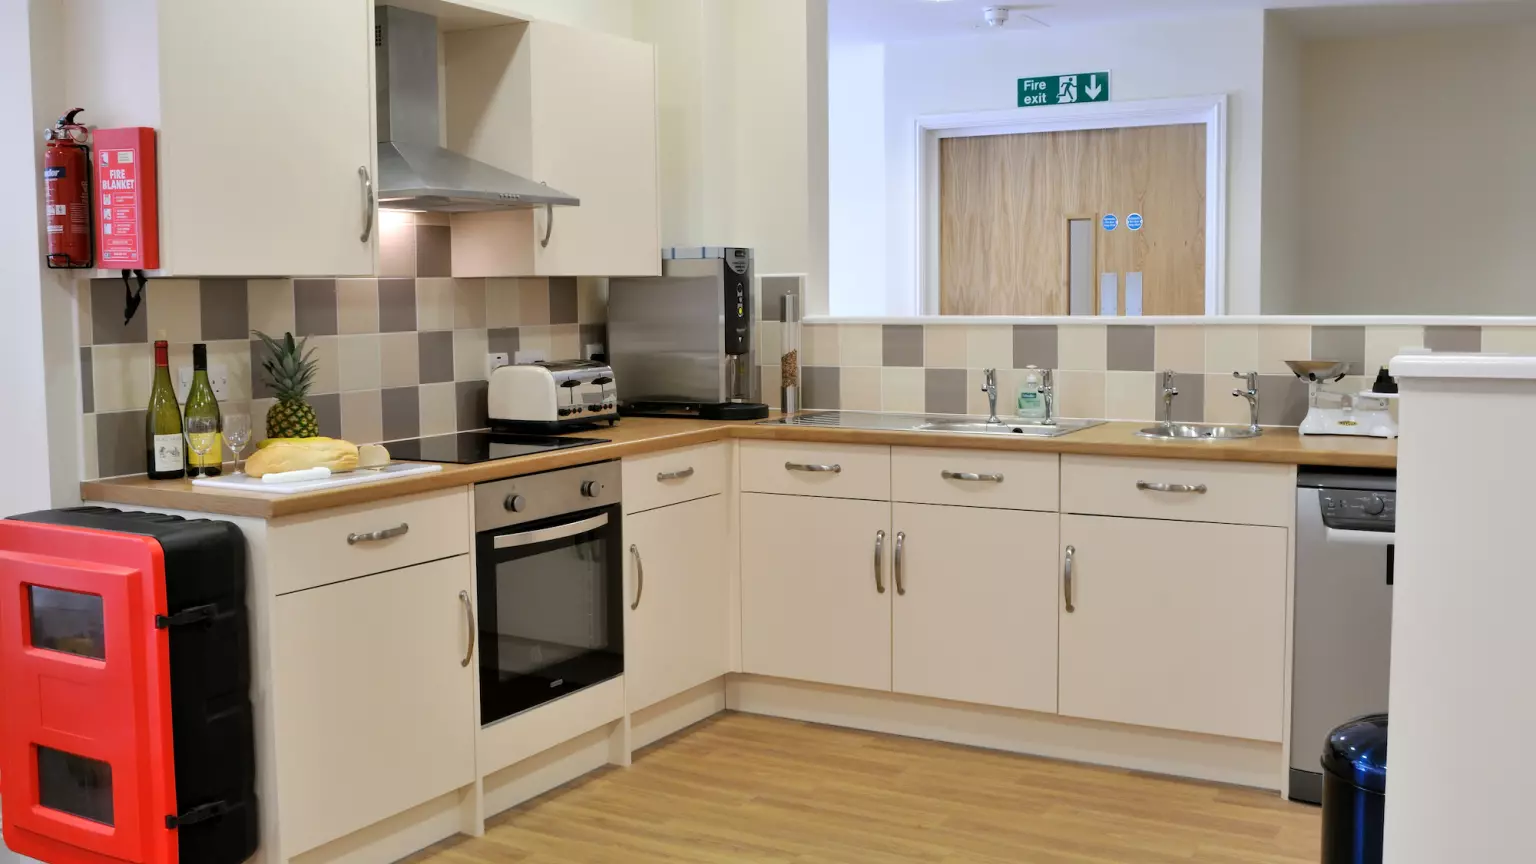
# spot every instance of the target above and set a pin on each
(1005, 201)
(975, 612)
(1176, 625)
(676, 634)
(810, 605)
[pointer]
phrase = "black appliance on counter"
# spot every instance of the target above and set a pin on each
(468, 448)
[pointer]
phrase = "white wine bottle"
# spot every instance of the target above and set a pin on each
(164, 457)
(202, 417)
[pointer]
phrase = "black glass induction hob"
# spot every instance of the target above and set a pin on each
(466, 448)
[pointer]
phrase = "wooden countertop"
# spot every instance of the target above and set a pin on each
(638, 435)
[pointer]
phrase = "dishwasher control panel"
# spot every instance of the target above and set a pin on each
(1359, 510)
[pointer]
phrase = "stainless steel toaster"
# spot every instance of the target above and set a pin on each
(552, 397)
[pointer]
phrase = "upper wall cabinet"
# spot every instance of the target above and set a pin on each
(264, 115)
(571, 108)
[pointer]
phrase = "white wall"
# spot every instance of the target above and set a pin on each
(856, 136)
(1282, 172)
(609, 16)
(1420, 173)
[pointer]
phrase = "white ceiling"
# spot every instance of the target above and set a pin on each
(854, 21)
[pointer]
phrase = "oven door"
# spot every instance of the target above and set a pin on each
(551, 621)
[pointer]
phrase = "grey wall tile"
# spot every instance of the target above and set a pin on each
(1131, 348)
(87, 383)
(402, 412)
(902, 345)
(120, 447)
(107, 327)
(469, 399)
(1189, 405)
(944, 391)
(774, 288)
(434, 252)
(504, 339)
(327, 413)
(562, 300)
(436, 356)
(1345, 344)
(593, 334)
(225, 309)
(823, 387)
(1034, 345)
(397, 305)
(314, 312)
(1282, 400)
(259, 387)
(1467, 340)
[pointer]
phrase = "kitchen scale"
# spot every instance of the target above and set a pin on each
(1334, 412)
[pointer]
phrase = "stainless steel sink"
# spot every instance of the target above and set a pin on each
(1198, 432)
(881, 421)
(982, 427)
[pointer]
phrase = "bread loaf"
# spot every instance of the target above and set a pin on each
(299, 454)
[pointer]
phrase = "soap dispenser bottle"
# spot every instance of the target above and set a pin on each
(1031, 401)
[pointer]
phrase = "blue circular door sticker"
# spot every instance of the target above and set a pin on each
(1133, 221)
(1111, 222)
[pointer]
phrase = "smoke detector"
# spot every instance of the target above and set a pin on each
(997, 17)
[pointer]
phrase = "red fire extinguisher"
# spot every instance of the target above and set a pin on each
(66, 174)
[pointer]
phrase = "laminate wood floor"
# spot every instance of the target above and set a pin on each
(746, 788)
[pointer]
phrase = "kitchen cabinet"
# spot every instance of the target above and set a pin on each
(373, 698)
(974, 614)
(815, 589)
(678, 599)
(1178, 625)
(264, 117)
(572, 108)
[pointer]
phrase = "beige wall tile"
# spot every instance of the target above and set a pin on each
(434, 304)
(358, 362)
(259, 409)
(976, 399)
(327, 363)
(175, 310)
(565, 342)
(1080, 394)
(269, 305)
(1180, 348)
(357, 306)
(533, 300)
(433, 219)
(1383, 343)
(1083, 348)
(83, 314)
(503, 303)
(1280, 343)
(944, 346)
(591, 300)
(768, 385)
(1504, 340)
(399, 360)
(1231, 349)
(903, 388)
(1220, 405)
(860, 388)
(469, 350)
(861, 344)
(769, 344)
(90, 461)
(397, 243)
(1129, 395)
(539, 339)
(821, 345)
(122, 376)
(469, 304)
(362, 417)
(439, 410)
(234, 357)
(989, 347)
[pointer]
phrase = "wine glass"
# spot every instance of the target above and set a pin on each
(237, 433)
(202, 436)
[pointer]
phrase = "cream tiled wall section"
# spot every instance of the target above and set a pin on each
(399, 356)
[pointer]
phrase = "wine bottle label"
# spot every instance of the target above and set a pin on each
(168, 453)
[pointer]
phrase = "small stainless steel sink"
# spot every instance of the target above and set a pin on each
(1198, 432)
(881, 421)
(982, 427)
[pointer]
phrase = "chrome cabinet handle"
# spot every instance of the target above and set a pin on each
(469, 615)
(814, 469)
(375, 536)
(1181, 488)
(1066, 577)
(974, 478)
(634, 551)
(880, 561)
(664, 476)
(549, 224)
(897, 568)
(368, 203)
(554, 532)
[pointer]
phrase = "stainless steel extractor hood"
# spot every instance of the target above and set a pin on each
(414, 172)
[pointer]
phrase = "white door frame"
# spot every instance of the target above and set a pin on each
(1210, 110)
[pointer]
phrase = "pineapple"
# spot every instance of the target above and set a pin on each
(290, 373)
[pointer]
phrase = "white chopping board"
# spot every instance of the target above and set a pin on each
(247, 483)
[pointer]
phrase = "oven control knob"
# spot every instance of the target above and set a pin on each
(1375, 506)
(515, 503)
(591, 488)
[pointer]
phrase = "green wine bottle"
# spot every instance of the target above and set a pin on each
(202, 417)
(162, 434)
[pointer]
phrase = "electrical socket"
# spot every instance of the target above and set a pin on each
(495, 360)
(217, 378)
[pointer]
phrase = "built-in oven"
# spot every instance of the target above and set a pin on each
(549, 575)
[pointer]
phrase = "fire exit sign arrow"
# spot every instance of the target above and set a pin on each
(1064, 89)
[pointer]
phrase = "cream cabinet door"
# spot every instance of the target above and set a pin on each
(677, 600)
(815, 592)
(975, 607)
(266, 118)
(374, 703)
(1177, 625)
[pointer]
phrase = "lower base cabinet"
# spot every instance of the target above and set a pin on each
(375, 705)
(1178, 625)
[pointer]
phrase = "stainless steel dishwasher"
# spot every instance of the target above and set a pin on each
(1342, 627)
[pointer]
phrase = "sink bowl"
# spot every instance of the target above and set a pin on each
(982, 427)
(1198, 432)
